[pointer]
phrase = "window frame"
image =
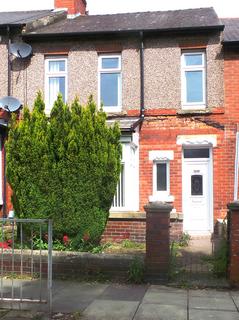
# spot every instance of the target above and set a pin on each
(166, 193)
(184, 68)
(59, 74)
(118, 70)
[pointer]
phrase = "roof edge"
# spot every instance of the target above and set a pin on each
(146, 31)
(232, 43)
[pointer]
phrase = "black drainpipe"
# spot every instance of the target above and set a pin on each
(9, 82)
(141, 76)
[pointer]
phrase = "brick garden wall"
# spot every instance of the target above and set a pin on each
(135, 230)
(233, 242)
(70, 265)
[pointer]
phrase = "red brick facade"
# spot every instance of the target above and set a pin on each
(73, 6)
(161, 134)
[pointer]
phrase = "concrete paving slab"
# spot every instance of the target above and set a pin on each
(110, 310)
(77, 296)
(155, 287)
(212, 303)
(158, 295)
(2, 313)
(209, 293)
(26, 314)
(124, 292)
(212, 315)
(235, 296)
(68, 296)
(161, 312)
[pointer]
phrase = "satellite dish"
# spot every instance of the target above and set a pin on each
(10, 104)
(20, 49)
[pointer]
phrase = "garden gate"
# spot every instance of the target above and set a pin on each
(25, 265)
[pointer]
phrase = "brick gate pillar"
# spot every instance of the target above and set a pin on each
(157, 240)
(233, 237)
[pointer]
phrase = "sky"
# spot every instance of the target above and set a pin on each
(224, 8)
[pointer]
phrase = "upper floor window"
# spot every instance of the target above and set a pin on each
(55, 80)
(109, 67)
(193, 80)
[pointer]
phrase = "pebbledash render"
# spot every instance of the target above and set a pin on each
(171, 81)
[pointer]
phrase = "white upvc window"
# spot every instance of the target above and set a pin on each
(193, 76)
(161, 175)
(161, 180)
(126, 197)
(55, 80)
(119, 197)
(110, 82)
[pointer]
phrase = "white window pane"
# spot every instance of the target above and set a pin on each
(110, 63)
(193, 60)
(109, 85)
(161, 176)
(56, 85)
(56, 66)
(194, 86)
(119, 197)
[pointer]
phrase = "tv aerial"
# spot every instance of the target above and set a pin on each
(10, 104)
(20, 49)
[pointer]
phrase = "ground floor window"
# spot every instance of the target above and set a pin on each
(161, 174)
(119, 198)
(126, 195)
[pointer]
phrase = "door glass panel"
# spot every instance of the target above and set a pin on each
(197, 185)
(196, 153)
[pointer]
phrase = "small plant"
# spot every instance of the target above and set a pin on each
(128, 244)
(219, 261)
(39, 244)
(136, 271)
(57, 245)
(184, 240)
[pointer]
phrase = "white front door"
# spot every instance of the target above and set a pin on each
(197, 191)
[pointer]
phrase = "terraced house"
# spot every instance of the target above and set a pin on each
(169, 79)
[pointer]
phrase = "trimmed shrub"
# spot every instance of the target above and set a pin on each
(65, 167)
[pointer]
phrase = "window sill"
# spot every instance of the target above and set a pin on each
(127, 215)
(164, 198)
(194, 111)
(112, 109)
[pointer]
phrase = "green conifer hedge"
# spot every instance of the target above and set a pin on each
(64, 167)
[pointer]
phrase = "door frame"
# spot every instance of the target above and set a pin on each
(210, 181)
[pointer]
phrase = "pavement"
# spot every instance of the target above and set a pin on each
(112, 301)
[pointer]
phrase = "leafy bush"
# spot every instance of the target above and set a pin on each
(65, 167)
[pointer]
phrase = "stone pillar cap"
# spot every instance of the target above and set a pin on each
(158, 206)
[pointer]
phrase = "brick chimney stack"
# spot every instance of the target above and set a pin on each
(75, 7)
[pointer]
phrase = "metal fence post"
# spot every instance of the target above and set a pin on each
(50, 265)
